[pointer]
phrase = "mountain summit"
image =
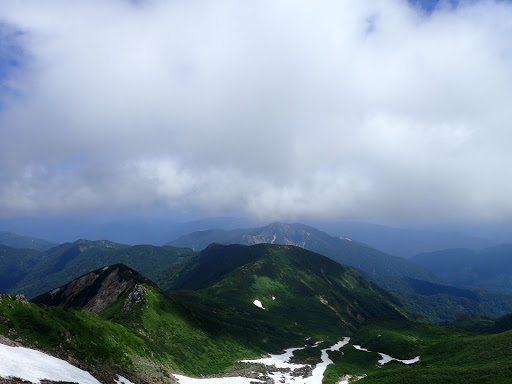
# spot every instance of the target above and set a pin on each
(95, 290)
(302, 289)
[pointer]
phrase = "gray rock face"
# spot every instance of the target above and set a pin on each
(96, 290)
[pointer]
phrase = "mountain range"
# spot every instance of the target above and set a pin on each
(300, 295)
(343, 250)
(230, 302)
(135, 229)
(32, 273)
(421, 289)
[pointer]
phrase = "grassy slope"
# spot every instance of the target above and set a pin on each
(143, 342)
(299, 279)
(195, 345)
(99, 345)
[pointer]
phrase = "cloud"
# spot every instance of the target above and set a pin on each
(278, 110)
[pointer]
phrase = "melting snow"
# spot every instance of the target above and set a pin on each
(386, 358)
(215, 380)
(34, 366)
(347, 379)
(318, 373)
(359, 348)
(122, 380)
(258, 304)
(280, 361)
(284, 370)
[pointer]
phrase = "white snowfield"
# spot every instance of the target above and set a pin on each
(34, 366)
(386, 358)
(215, 380)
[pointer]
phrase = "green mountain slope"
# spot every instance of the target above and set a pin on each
(71, 260)
(292, 283)
(345, 251)
(177, 337)
(419, 289)
(447, 355)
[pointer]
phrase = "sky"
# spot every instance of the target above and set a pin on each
(275, 110)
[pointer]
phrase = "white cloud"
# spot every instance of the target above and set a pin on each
(280, 110)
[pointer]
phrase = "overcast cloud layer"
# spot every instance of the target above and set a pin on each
(274, 109)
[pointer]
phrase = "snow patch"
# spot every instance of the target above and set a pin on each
(318, 373)
(34, 366)
(215, 380)
(122, 380)
(258, 304)
(386, 358)
(283, 371)
(359, 348)
(287, 373)
(280, 361)
(347, 379)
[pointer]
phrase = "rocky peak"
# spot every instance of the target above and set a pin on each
(95, 290)
(279, 233)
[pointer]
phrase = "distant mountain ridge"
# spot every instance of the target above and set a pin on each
(38, 272)
(439, 303)
(20, 241)
(343, 250)
(490, 268)
(404, 242)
